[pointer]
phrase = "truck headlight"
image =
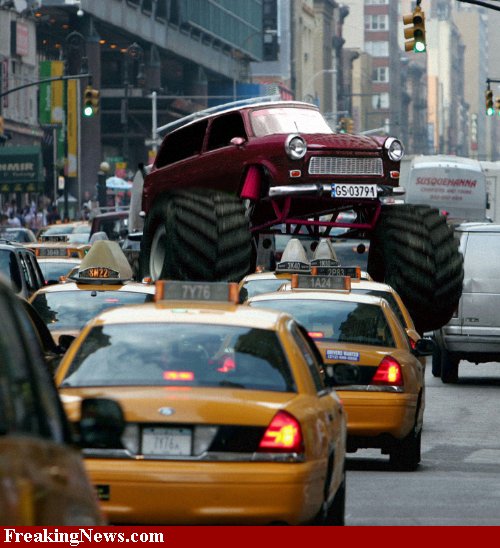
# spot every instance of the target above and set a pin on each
(394, 149)
(295, 147)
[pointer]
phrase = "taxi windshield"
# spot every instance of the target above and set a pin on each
(71, 310)
(337, 321)
(166, 354)
(271, 121)
(256, 287)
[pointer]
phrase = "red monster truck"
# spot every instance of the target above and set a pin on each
(225, 177)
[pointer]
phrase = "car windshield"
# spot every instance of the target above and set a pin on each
(71, 310)
(166, 354)
(336, 321)
(385, 295)
(270, 121)
(54, 269)
(20, 235)
(257, 287)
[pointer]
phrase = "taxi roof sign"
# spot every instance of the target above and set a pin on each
(177, 290)
(331, 270)
(105, 261)
(301, 281)
(324, 252)
(294, 258)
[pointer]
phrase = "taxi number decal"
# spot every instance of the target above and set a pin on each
(351, 271)
(354, 191)
(177, 290)
(342, 355)
(323, 282)
(52, 252)
(98, 272)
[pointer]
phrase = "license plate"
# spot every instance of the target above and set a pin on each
(169, 442)
(341, 190)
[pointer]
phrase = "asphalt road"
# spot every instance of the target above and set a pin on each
(458, 481)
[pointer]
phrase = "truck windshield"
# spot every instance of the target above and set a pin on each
(269, 121)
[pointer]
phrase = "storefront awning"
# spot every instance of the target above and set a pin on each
(21, 168)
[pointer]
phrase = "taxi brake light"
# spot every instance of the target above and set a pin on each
(316, 334)
(413, 343)
(227, 365)
(283, 435)
(388, 373)
(178, 375)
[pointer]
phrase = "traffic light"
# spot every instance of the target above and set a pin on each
(90, 102)
(489, 102)
(497, 105)
(343, 125)
(2, 127)
(415, 32)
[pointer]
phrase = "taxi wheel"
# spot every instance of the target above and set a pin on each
(407, 454)
(197, 235)
(413, 249)
(449, 367)
(335, 514)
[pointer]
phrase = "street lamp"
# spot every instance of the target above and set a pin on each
(310, 87)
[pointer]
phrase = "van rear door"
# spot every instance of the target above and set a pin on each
(480, 300)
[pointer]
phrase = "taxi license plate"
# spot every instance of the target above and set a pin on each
(340, 190)
(169, 442)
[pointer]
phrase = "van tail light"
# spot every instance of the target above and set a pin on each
(283, 435)
(388, 373)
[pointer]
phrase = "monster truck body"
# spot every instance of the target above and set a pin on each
(277, 166)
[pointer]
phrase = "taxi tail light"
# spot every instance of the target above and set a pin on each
(283, 435)
(413, 343)
(316, 334)
(388, 373)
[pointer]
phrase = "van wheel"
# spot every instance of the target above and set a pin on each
(436, 362)
(413, 250)
(449, 367)
(196, 235)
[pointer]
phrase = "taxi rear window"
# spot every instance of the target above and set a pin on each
(385, 295)
(337, 321)
(73, 309)
(152, 354)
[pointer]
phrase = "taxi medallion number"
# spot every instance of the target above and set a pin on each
(168, 442)
(340, 190)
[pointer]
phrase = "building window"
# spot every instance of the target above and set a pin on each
(380, 74)
(377, 22)
(380, 101)
(377, 49)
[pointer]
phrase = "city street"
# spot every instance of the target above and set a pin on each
(457, 481)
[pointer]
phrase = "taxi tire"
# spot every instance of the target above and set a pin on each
(206, 236)
(334, 514)
(406, 455)
(449, 367)
(413, 250)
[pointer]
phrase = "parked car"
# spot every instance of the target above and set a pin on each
(44, 481)
(473, 332)
(19, 266)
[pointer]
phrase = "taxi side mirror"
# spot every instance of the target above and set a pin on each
(424, 347)
(101, 423)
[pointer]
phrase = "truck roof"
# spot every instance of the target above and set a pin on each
(443, 160)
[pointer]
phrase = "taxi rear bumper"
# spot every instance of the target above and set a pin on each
(216, 493)
(378, 419)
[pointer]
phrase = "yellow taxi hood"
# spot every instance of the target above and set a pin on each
(188, 405)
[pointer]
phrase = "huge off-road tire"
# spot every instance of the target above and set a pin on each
(413, 249)
(196, 235)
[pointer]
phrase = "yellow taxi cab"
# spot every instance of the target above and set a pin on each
(44, 481)
(294, 260)
(76, 231)
(230, 416)
(382, 379)
(101, 280)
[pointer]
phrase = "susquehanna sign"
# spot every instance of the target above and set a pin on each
(20, 166)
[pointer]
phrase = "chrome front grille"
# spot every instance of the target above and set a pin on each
(326, 165)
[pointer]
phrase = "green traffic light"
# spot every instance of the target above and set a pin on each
(88, 111)
(490, 111)
(419, 47)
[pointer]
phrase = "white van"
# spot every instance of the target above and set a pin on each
(453, 184)
(473, 333)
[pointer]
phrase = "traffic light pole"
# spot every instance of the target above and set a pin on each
(46, 80)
